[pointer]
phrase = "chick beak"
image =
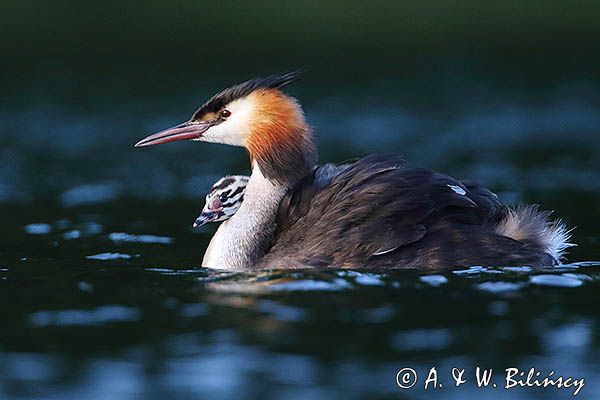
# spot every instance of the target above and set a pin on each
(205, 218)
(185, 131)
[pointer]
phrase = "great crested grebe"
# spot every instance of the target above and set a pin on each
(223, 200)
(376, 212)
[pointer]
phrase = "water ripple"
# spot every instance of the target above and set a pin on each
(109, 256)
(97, 316)
(127, 237)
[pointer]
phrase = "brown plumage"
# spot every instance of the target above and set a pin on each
(279, 139)
(405, 218)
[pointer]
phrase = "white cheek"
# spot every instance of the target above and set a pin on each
(226, 132)
(235, 130)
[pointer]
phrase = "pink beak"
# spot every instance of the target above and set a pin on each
(185, 131)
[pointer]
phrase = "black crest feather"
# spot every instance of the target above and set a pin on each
(219, 100)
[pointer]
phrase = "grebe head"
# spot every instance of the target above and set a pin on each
(256, 115)
(235, 114)
(223, 200)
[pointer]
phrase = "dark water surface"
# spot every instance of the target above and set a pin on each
(101, 294)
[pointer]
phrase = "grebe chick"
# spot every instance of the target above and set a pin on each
(377, 212)
(223, 200)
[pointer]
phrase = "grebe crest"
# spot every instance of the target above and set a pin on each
(224, 199)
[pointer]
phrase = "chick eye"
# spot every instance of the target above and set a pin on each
(214, 204)
(223, 198)
(225, 113)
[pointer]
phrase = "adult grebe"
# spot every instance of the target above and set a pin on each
(376, 212)
(223, 200)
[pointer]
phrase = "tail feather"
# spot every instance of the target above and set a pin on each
(527, 224)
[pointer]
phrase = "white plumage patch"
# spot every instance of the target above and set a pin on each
(384, 251)
(528, 224)
(235, 130)
(457, 189)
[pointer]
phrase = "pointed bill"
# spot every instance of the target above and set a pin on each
(186, 131)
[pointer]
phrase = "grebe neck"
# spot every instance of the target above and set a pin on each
(282, 152)
(241, 242)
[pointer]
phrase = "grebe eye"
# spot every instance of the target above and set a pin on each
(223, 198)
(225, 113)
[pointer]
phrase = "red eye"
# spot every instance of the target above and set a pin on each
(225, 113)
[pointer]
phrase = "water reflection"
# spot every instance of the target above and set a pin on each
(315, 333)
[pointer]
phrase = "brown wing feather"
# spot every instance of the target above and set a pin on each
(369, 209)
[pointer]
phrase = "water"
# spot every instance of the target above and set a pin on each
(102, 294)
(117, 327)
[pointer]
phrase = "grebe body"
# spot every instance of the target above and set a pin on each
(377, 212)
